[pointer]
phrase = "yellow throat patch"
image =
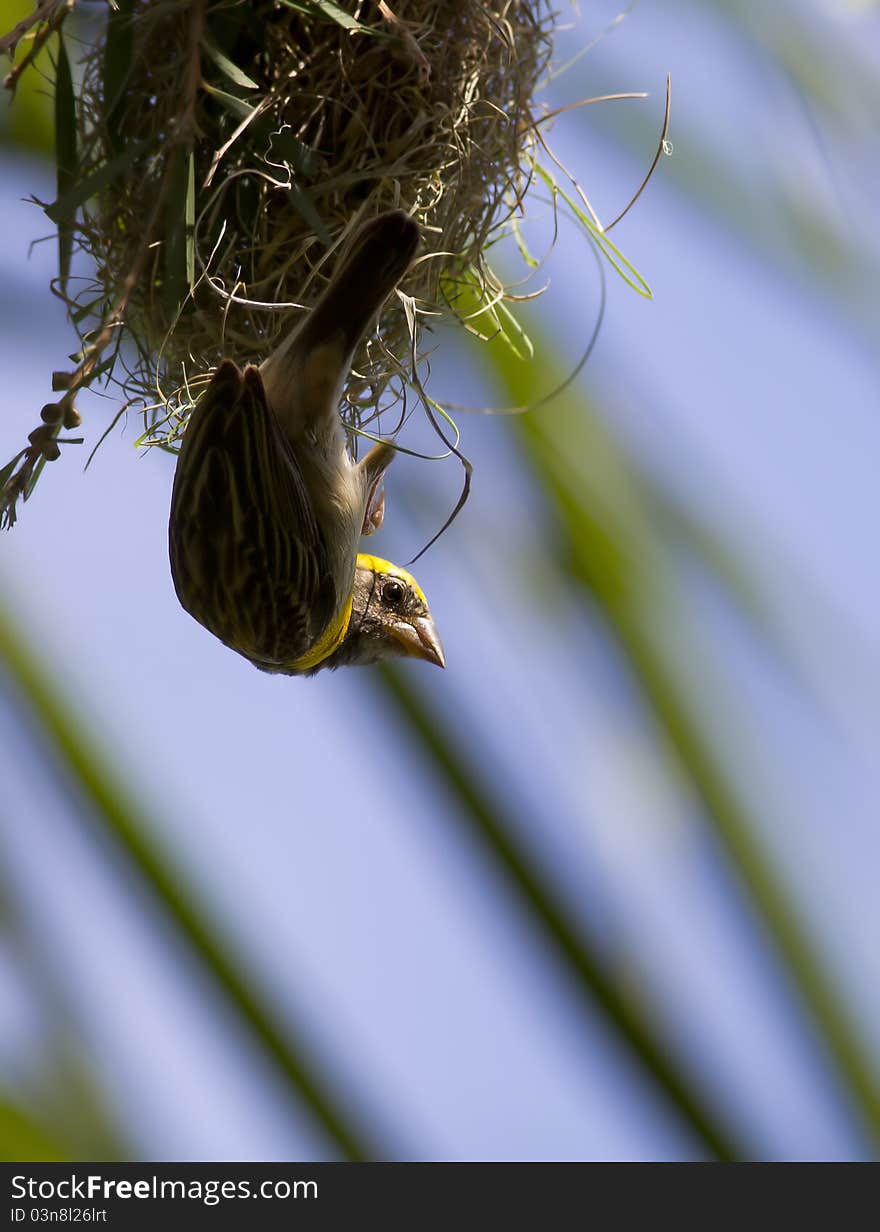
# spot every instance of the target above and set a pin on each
(334, 635)
(331, 639)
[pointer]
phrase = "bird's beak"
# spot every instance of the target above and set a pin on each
(418, 639)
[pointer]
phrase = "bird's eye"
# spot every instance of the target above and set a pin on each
(393, 592)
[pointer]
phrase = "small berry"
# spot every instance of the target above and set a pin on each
(39, 435)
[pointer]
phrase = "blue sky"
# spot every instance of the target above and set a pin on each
(367, 917)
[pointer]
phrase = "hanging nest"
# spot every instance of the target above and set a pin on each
(217, 155)
(238, 144)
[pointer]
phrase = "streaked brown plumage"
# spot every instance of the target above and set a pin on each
(268, 507)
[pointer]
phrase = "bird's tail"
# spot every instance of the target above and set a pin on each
(379, 256)
(311, 364)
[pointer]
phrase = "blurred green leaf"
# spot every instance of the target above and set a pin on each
(818, 55)
(24, 1139)
(484, 817)
(690, 533)
(64, 1094)
(616, 553)
(122, 820)
(72, 1102)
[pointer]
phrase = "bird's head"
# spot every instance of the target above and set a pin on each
(389, 618)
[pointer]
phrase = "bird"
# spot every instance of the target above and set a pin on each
(268, 505)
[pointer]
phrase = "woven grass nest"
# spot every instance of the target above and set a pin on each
(215, 155)
(240, 144)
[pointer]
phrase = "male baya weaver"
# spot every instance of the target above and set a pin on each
(268, 506)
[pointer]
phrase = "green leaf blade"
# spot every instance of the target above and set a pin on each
(67, 203)
(65, 155)
(118, 52)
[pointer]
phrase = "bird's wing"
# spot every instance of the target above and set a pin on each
(247, 555)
